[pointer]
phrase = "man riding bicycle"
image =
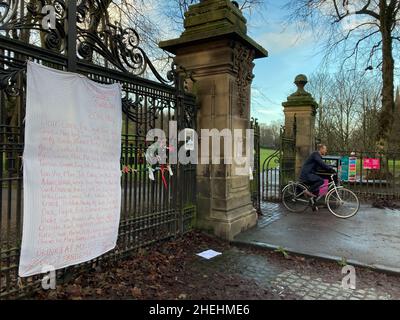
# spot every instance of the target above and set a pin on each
(309, 174)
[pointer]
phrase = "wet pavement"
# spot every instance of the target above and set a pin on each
(296, 279)
(370, 239)
(172, 270)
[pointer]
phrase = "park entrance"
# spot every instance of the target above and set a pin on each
(278, 168)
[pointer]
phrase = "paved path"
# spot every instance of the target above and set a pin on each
(297, 279)
(309, 288)
(371, 238)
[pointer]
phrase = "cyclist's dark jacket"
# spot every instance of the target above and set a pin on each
(312, 164)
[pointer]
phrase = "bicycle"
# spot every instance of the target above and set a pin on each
(341, 202)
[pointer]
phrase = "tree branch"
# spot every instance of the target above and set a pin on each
(363, 11)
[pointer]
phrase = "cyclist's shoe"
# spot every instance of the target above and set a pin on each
(313, 205)
(314, 208)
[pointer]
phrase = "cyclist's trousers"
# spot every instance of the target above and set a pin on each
(315, 182)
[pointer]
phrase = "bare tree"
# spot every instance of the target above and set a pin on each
(349, 105)
(354, 29)
(319, 86)
(270, 134)
(395, 137)
(370, 101)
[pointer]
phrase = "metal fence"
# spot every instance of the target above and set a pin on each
(256, 182)
(109, 54)
(383, 180)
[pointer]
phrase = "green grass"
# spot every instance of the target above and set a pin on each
(264, 154)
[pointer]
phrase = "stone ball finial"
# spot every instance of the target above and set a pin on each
(300, 81)
(301, 97)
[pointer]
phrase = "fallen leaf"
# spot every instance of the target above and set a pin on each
(136, 292)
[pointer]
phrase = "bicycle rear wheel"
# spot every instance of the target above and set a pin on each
(294, 199)
(343, 203)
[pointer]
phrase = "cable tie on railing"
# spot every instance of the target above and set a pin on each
(151, 173)
(170, 170)
(25, 63)
(19, 283)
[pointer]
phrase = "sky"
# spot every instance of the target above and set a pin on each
(290, 54)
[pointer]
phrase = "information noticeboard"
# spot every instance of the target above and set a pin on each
(344, 168)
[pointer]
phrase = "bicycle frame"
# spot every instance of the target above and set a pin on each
(332, 187)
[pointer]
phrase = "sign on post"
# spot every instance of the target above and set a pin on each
(344, 169)
(372, 164)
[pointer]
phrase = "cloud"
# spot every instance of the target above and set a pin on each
(269, 112)
(264, 108)
(285, 38)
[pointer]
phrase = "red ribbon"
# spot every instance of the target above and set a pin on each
(162, 169)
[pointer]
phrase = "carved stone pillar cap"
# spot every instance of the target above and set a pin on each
(210, 20)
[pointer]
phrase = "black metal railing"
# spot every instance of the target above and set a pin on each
(279, 167)
(377, 174)
(271, 177)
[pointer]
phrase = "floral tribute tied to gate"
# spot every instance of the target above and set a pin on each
(72, 190)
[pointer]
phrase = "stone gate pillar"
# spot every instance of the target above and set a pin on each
(302, 106)
(215, 47)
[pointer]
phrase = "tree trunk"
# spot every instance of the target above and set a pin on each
(386, 115)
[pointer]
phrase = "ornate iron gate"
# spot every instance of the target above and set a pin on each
(279, 168)
(255, 183)
(84, 41)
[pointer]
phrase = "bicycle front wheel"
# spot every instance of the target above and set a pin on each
(293, 198)
(343, 203)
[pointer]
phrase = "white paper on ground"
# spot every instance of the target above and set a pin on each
(209, 254)
(72, 176)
